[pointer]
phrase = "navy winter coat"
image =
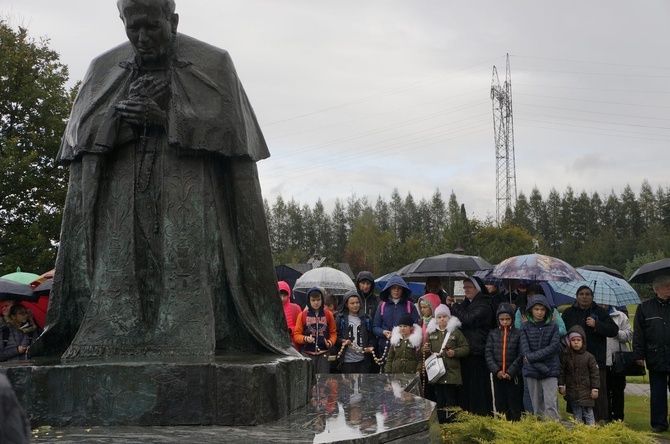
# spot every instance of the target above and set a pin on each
(540, 343)
(388, 313)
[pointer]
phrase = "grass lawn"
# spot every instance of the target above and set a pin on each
(636, 412)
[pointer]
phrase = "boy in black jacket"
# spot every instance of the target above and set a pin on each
(503, 358)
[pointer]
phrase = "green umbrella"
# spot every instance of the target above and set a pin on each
(20, 276)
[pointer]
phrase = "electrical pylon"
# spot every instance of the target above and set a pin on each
(503, 128)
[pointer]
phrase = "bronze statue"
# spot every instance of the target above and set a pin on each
(164, 245)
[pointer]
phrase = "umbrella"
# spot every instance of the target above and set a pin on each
(535, 267)
(445, 265)
(21, 276)
(43, 278)
(555, 298)
(287, 274)
(648, 272)
(416, 287)
(44, 288)
(485, 275)
(607, 289)
(17, 291)
(333, 281)
(610, 271)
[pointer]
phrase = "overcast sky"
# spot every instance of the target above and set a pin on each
(370, 95)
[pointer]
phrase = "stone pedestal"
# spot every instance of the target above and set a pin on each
(231, 390)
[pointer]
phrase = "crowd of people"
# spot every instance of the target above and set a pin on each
(503, 350)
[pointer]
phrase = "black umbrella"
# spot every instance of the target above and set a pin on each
(648, 272)
(43, 289)
(445, 265)
(16, 291)
(602, 268)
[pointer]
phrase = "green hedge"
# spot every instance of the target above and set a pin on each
(468, 428)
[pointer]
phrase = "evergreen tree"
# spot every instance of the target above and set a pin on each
(522, 214)
(339, 230)
(323, 230)
(280, 233)
(396, 209)
(648, 206)
(382, 214)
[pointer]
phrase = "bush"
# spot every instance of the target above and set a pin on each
(473, 429)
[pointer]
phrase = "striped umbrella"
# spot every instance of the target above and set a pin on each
(607, 289)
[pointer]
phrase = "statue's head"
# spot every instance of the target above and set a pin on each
(150, 26)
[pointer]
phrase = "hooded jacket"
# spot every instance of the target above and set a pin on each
(291, 310)
(579, 372)
(319, 324)
(369, 301)
(540, 343)
(405, 354)
(388, 313)
(456, 342)
(596, 336)
(342, 323)
(503, 352)
(433, 300)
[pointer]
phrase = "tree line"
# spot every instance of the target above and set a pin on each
(621, 231)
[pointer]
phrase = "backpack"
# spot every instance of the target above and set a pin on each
(409, 307)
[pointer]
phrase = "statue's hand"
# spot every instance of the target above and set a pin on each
(148, 88)
(141, 112)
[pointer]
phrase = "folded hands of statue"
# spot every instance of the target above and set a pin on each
(141, 107)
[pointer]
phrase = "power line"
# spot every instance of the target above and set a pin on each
(411, 86)
(591, 62)
(592, 101)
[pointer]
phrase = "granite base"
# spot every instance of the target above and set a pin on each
(352, 409)
(230, 390)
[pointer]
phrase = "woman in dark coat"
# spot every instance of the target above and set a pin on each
(477, 318)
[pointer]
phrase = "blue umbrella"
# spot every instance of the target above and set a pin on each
(607, 289)
(555, 298)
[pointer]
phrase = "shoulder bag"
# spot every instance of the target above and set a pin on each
(435, 365)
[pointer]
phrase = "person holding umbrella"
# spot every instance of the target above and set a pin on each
(651, 343)
(477, 319)
(18, 335)
(598, 326)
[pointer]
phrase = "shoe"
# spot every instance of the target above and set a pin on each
(658, 429)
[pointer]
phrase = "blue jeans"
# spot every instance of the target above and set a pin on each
(583, 414)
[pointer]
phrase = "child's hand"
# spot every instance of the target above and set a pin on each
(561, 390)
(507, 376)
(594, 394)
(500, 374)
(450, 353)
(387, 333)
(368, 349)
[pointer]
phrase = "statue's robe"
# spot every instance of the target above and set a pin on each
(164, 244)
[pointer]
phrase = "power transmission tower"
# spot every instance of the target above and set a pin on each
(503, 128)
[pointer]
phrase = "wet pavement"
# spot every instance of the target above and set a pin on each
(344, 408)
